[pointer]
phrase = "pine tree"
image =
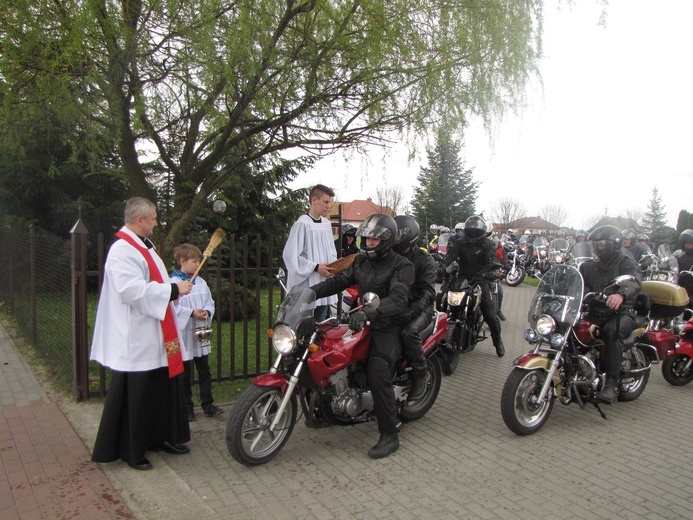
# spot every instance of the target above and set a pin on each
(654, 221)
(447, 191)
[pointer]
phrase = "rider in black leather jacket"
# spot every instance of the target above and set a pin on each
(684, 257)
(473, 253)
(382, 271)
(423, 294)
(616, 326)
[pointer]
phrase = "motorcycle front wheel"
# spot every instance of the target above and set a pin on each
(248, 438)
(676, 370)
(515, 276)
(519, 407)
(415, 409)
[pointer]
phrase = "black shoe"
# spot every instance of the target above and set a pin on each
(500, 314)
(388, 443)
(609, 393)
(418, 384)
(500, 348)
(173, 449)
(142, 465)
(190, 413)
(211, 410)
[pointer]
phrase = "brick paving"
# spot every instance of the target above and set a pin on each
(45, 468)
(459, 461)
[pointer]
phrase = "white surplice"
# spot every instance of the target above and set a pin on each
(199, 298)
(310, 243)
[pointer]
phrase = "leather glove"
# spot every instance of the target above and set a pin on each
(357, 321)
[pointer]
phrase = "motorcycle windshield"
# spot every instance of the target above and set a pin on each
(667, 260)
(581, 251)
(559, 244)
(540, 242)
(299, 304)
(559, 294)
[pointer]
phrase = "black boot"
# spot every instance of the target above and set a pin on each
(418, 384)
(388, 443)
(609, 393)
(498, 343)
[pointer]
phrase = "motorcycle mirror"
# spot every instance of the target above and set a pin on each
(281, 277)
(370, 301)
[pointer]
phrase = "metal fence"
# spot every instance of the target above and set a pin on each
(35, 291)
(51, 293)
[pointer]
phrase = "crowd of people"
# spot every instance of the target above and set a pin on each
(147, 323)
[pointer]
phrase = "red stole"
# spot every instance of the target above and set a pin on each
(168, 325)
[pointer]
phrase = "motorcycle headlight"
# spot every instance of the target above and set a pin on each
(545, 325)
(542, 253)
(557, 340)
(455, 298)
(284, 340)
(531, 336)
(559, 259)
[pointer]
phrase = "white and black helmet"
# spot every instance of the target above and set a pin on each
(382, 227)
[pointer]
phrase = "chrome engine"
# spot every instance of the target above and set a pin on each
(587, 364)
(349, 402)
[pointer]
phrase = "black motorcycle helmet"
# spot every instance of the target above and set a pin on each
(686, 237)
(475, 228)
(381, 226)
(348, 230)
(606, 242)
(407, 233)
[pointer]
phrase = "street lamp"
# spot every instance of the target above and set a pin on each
(219, 207)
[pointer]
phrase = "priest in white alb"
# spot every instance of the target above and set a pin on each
(136, 335)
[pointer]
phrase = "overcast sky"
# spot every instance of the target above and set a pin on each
(614, 120)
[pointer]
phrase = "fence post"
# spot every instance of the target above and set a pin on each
(32, 284)
(78, 269)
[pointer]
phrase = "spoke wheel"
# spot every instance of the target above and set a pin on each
(248, 438)
(521, 411)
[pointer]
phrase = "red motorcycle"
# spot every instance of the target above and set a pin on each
(322, 365)
(672, 336)
(677, 368)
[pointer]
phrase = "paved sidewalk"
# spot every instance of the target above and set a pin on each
(45, 468)
(459, 461)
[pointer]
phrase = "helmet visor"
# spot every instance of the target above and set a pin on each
(371, 229)
(602, 247)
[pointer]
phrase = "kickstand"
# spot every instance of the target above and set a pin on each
(596, 405)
